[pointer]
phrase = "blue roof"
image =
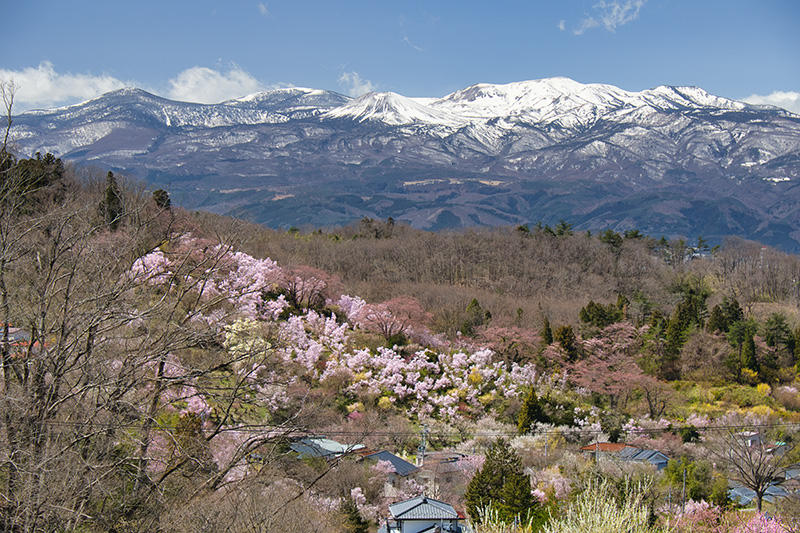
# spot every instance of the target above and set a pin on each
(402, 467)
(744, 496)
(638, 454)
(18, 335)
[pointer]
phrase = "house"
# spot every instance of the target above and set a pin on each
(421, 515)
(655, 458)
(328, 449)
(623, 452)
(599, 450)
(443, 468)
(19, 341)
(744, 496)
(750, 438)
(400, 470)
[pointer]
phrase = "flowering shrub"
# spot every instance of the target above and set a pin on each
(695, 516)
(761, 523)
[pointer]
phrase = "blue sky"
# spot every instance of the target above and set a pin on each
(63, 52)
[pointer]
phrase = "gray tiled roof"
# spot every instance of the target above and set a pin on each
(423, 508)
(638, 454)
(322, 447)
(402, 467)
(744, 496)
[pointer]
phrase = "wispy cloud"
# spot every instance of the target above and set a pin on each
(610, 15)
(42, 86)
(412, 45)
(788, 100)
(262, 8)
(355, 85)
(562, 25)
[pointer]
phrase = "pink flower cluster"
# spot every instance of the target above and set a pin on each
(761, 523)
(439, 382)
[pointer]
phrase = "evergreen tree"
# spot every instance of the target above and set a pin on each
(563, 228)
(474, 316)
(740, 337)
(565, 337)
(532, 411)
(601, 316)
(547, 333)
(516, 499)
(500, 485)
(723, 315)
(749, 360)
(111, 205)
(353, 521)
(613, 240)
(776, 330)
(161, 198)
(716, 321)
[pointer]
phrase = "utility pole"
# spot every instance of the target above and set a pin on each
(421, 448)
(683, 493)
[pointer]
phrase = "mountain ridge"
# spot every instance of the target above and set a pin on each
(523, 152)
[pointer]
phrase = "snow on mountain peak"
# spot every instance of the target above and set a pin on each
(692, 97)
(560, 100)
(392, 109)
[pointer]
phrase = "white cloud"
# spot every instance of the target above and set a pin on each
(209, 86)
(611, 14)
(42, 86)
(354, 85)
(412, 45)
(262, 8)
(562, 25)
(788, 100)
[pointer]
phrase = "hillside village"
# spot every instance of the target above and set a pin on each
(174, 371)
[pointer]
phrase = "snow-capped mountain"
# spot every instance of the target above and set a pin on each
(673, 160)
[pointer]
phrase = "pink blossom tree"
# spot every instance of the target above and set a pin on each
(393, 318)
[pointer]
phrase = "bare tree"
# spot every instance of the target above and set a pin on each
(750, 454)
(90, 429)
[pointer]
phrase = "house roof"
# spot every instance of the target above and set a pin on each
(628, 453)
(638, 454)
(744, 496)
(607, 447)
(423, 508)
(401, 467)
(17, 335)
(446, 456)
(322, 447)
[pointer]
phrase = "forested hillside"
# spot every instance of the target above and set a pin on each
(159, 367)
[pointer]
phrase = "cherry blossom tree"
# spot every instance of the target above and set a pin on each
(393, 318)
(610, 368)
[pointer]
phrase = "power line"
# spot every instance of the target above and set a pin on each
(260, 428)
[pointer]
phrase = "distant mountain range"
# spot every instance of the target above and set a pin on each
(676, 161)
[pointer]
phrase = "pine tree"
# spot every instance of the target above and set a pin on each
(516, 499)
(749, 354)
(500, 485)
(547, 333)
(161, 198)
(111, 205)
(354, 522)
(565, 336)
(532, 412)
